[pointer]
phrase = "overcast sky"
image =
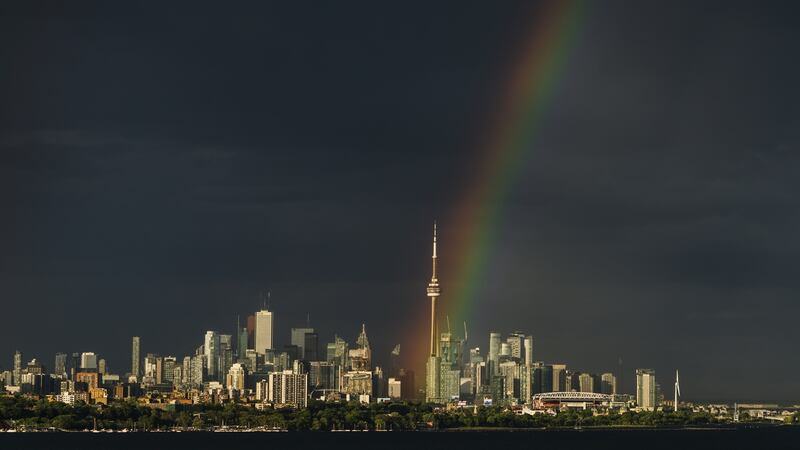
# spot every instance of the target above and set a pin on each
(163, 164)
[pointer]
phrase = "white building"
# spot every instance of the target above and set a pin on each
(608, 383)
(88, 360)
(262, 390)
(264, 331)
(528, 350)
(646, 388)
(236, 377)
(211, 351)
(395, 388)
(494, 352)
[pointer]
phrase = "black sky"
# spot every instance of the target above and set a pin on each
(160, 165)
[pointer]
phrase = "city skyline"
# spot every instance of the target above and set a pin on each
(232, 370)
(614, 179)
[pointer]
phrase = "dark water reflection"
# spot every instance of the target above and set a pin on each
(744, 438)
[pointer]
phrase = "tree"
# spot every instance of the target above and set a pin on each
(184, 419)
(198, 423)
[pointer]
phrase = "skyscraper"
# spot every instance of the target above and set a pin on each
(264, 331)
(60, 366)
(299, 339)
(337, 352)
(433, 367)
(135, 357)
(168, 369)
(528, 350)
(186, 372)
(608, 383)
(196, 370)
(646, 388)
(585, 382)
(311, 347)
(241, 344)
(251, 331)
(515, 342)
(74, 365)
(559, 377)
(361, 356)
(236, 377)
(211, 352)
(153, 369)
(494, 352)
(17, 372)
(88, 360)
(225, 355)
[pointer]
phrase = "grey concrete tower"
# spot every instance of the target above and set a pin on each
(433, 293)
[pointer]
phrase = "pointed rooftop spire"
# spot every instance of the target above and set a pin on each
(434, 251)
(362, 338)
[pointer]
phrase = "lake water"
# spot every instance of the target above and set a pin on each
(742, 438)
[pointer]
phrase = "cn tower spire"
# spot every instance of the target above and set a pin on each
(433, 277)
(433, 293)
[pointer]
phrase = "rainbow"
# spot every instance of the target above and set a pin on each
(471, 231)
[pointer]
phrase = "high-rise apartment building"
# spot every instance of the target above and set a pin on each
(60, 366)
(225, 354)
(152, 369)
(236, 377)
(559, 377)
(17, 370)
(88, 360)
(608, 383)
(515, 343)
(493, 359)
(288, 388)
(528, 350)
(211, 352)
(136, 358)
(395, 388)
(196, 372)
(168, 369)
(186, 373)
(585, 382)
(646, 388)
(264, 332)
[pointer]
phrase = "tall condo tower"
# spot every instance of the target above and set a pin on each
(433, 293)
(135, 358)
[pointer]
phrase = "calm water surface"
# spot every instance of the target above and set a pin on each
(759, 438)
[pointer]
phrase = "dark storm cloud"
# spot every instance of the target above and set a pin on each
(161, 165)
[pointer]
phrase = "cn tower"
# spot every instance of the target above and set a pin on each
(433, 293)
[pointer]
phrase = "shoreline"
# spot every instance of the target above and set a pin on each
(724, 427)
